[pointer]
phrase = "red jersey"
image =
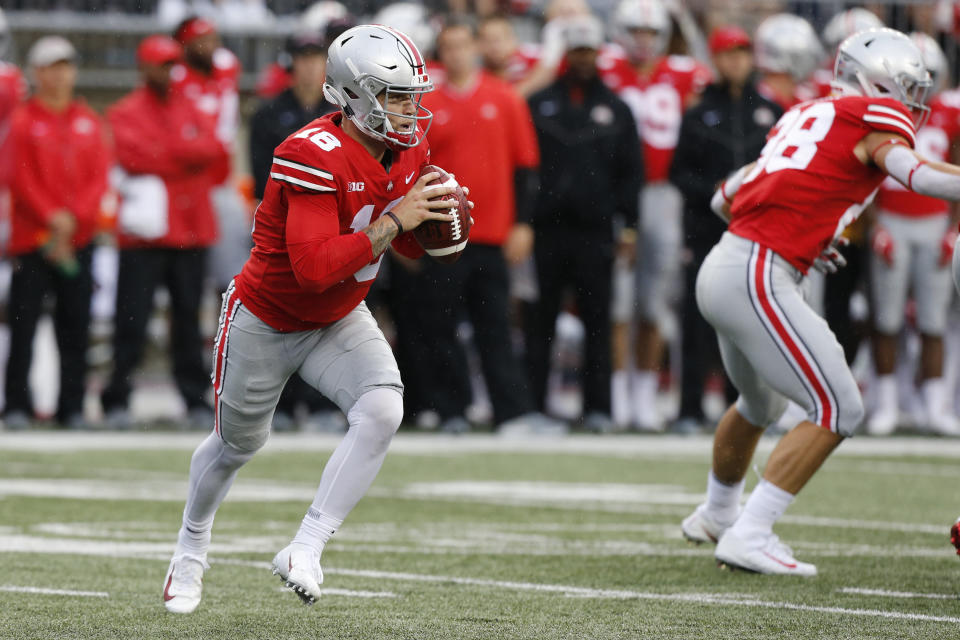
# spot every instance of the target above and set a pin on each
(12, 91)
(273, 80)
(216, 95)
(482, 134)
(808, 185)
(170, 139)
(934, 141)
(311, 263)
(61, 163)
(521, 63)
(802, 93)
(657, 101)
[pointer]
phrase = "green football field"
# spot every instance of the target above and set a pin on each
(473, 537)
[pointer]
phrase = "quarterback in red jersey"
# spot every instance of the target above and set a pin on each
(822, 165)
(342, 190)
(658, 88)
(913, 238)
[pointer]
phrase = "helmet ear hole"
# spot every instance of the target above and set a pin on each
(335, 97)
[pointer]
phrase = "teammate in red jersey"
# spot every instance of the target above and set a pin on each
(913, 240)
(787, 52)
(209, 76)
(658, 88)
(502, 55)
(822, 164)
(13, 90)
(840, 27)
(342, 190)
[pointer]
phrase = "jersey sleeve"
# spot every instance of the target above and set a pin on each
(887, 116)
(300, 165)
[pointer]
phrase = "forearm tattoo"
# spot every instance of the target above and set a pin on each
(381, 234)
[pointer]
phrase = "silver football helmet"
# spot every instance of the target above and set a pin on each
(786, 43)
(934, 59)
(369, 63)
(413, 19)
(651, 15)
(883, 63)
(318, 15)
(846, 23)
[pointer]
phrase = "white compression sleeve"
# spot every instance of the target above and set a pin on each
(918, 176)
(728, 189)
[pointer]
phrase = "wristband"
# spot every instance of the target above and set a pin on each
(395, 219)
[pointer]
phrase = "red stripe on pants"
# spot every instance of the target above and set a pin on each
(805, 367)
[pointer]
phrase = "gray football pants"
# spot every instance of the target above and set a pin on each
(252, 362)
(774, 346)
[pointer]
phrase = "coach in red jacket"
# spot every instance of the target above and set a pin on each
(59, 178)
(165, 148)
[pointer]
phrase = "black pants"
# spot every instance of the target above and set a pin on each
(33, 279)
(583, 260)
(700, 353)
(838, 290)
(183, 272)
(478, 285)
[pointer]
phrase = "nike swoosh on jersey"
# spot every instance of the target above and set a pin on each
(408, 178)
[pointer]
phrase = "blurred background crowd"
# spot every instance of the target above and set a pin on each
(136, 139)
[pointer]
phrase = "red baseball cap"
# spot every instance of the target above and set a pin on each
(728, 37)
(159, 50)
(193, 28)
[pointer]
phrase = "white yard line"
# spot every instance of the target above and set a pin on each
(723, 599)
(406, 443)
(898, 594)
(53, 592)
(350, 593)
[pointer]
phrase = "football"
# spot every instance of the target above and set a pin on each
(445, 241)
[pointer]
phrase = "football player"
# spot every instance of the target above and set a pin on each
(912, 242)
(787, 52)
(823, 163)
(209, 76)
(343, 189)
(840, 27)
(657, 88)
(13, 90)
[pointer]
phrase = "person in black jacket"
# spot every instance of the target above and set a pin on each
(293, 108)
(726, 130)
(296, 106)
(590, 173)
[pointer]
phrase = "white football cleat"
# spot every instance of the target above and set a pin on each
(763, 553)
(699, 527)
(299, 567)
(183, 585)
(944, 424)
(883, 422)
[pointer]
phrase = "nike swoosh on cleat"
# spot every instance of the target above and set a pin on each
(166, 590)
(781, 562)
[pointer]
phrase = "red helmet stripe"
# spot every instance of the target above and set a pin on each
(414, 52)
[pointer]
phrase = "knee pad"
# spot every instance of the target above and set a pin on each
(244, 432)
(764, 411)
(377, 414)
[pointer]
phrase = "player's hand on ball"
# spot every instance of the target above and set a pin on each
(417, 206)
